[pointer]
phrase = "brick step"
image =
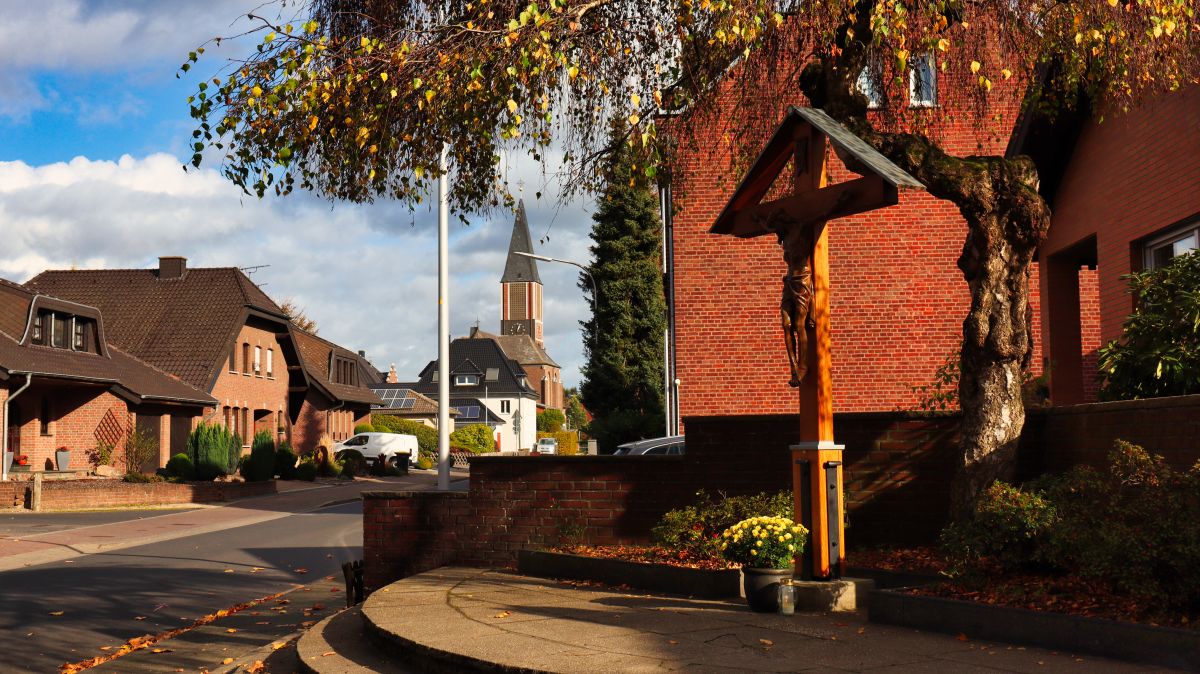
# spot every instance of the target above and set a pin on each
(339, 645)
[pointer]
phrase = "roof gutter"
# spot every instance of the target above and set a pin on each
(4, 423)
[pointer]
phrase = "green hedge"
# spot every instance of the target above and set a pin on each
(427, 439)
(568, 442)
(476, 438)
(260, 466)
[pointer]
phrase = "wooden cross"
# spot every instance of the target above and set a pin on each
(798, 220)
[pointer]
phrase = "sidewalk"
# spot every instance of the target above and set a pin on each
(477, 620)
(294, 497)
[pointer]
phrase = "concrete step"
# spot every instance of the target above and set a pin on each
(339, 645)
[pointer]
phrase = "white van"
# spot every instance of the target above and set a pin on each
(388, 446)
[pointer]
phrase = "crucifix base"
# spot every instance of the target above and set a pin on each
(817, 495)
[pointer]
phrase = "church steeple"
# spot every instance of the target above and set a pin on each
(520, 286)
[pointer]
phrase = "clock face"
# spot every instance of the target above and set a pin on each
(516, 328)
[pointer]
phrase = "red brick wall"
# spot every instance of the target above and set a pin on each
(1089, 332)
(318, 417)
(76, 412)
(90, 494)
(1130, 177)
(897, 473)
(898, 299)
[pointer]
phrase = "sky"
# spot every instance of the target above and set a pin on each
(94, 128)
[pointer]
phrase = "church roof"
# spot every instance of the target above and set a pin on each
(518, 268)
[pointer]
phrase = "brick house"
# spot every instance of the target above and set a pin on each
(1125, 196)
(337, 398)
(897, 297)
(212, 328)
(63, 384)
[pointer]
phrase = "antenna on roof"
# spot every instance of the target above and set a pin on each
(251, 270)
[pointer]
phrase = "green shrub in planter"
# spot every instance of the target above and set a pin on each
(307, 471)
(697, 528)
(260, 465)
(363, 428)
(208, 448)
(181, 466)
(285, 462)
(1006, 527)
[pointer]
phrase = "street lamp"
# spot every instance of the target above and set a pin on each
(544, 258)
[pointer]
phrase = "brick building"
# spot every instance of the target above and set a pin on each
(337, 398)
(63, 385)
(897, 297)
(216, 330)
(1125, 194)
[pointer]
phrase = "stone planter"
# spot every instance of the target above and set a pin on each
(707, 584)
(62, 458)
(761, 587)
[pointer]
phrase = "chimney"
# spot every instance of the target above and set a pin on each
(362, 354)
(171, 268)
(392, 377)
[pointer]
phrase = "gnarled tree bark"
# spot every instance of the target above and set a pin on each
(1006, 220)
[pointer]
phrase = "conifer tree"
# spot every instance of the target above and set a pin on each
(623, 373)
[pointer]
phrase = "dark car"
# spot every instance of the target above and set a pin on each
(669, 446)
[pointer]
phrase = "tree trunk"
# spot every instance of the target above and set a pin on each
(1006, 220)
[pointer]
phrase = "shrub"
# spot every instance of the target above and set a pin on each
(1159, 352)
(233, 455)
(424, 462)
(550, 421)
(763, 542)
(427, 437)
(476, 438)
(568, 442)
(285, 462)
(141, 450)
(102, 453)
(307, 471)
(142, 478)
(697, 528)
(181, 466)
(260, 465)
(1005, 527)
(351, 460)
(208, 448)
(364, 428)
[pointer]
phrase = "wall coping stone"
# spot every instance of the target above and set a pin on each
(392, 495)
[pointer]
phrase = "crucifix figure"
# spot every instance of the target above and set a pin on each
(796, 304)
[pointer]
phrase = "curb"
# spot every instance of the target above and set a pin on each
(1144, 644)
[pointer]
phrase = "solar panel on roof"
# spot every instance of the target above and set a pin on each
(406, 404)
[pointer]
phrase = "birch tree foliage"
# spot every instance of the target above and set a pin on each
(355, 98)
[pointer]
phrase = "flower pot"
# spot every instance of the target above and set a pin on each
(62, 458)
(762, 588)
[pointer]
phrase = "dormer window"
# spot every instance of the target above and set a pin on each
(344, 371)
(63, 331)
(466, 380)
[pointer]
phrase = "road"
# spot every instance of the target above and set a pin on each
(167, 584)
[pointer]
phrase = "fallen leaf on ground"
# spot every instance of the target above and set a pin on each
(281, 602)
(862, 630)
(766, 642)
(961, 637)
(318, 607)
(255, 668)
(227, 661)
(231, 630)
(228, 570)
(299, 570)
(160, 650)
(278, 645)
(140, 617)
(503, 614)
(327, 654)
(672, 642)
(263, 622)
(56, 613)
(106, 648)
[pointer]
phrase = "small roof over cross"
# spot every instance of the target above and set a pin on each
(801, 136)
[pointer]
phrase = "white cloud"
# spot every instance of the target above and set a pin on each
(366, 274)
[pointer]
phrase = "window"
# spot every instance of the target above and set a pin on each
(466, 380)
(38, 330)
(870, 84)
(58, 331)
(227, 419)
(233, 420)
(1160, 251)
(922, 81)
(44, 422)
(505, 406)
(270, 362)
(246, 358)
(79, 340)
(247, 432)
(233, 359)
(258, 360)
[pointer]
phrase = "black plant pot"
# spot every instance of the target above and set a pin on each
(762, 588)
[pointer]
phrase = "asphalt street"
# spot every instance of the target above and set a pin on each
(16, 525)
(68, 610)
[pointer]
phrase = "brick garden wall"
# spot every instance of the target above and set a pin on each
(897, 471)
(90, 494)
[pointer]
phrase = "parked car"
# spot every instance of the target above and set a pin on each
(546, 446)
(669, 446)
(391, 448)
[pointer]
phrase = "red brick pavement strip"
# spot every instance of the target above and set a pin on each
(59, 545)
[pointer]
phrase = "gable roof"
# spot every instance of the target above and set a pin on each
(518, 268)
(180, 325)
(879, 187)
(484, 355)
(402, 400)
(316, 354)
(128, 377)
(522, 348)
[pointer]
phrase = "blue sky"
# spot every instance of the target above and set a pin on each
(94, 127)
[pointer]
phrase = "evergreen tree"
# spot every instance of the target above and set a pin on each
(623, 341)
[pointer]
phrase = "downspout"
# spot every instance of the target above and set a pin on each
(4, 424)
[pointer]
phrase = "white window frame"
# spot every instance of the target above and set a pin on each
(270, 362)
(1170, 237)
(913, 100)
(506, 407)
(257, 359)
(466, 380)
(872, 76)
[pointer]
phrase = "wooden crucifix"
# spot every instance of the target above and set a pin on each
(798, 222)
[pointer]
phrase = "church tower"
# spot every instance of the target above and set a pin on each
(520, 286)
